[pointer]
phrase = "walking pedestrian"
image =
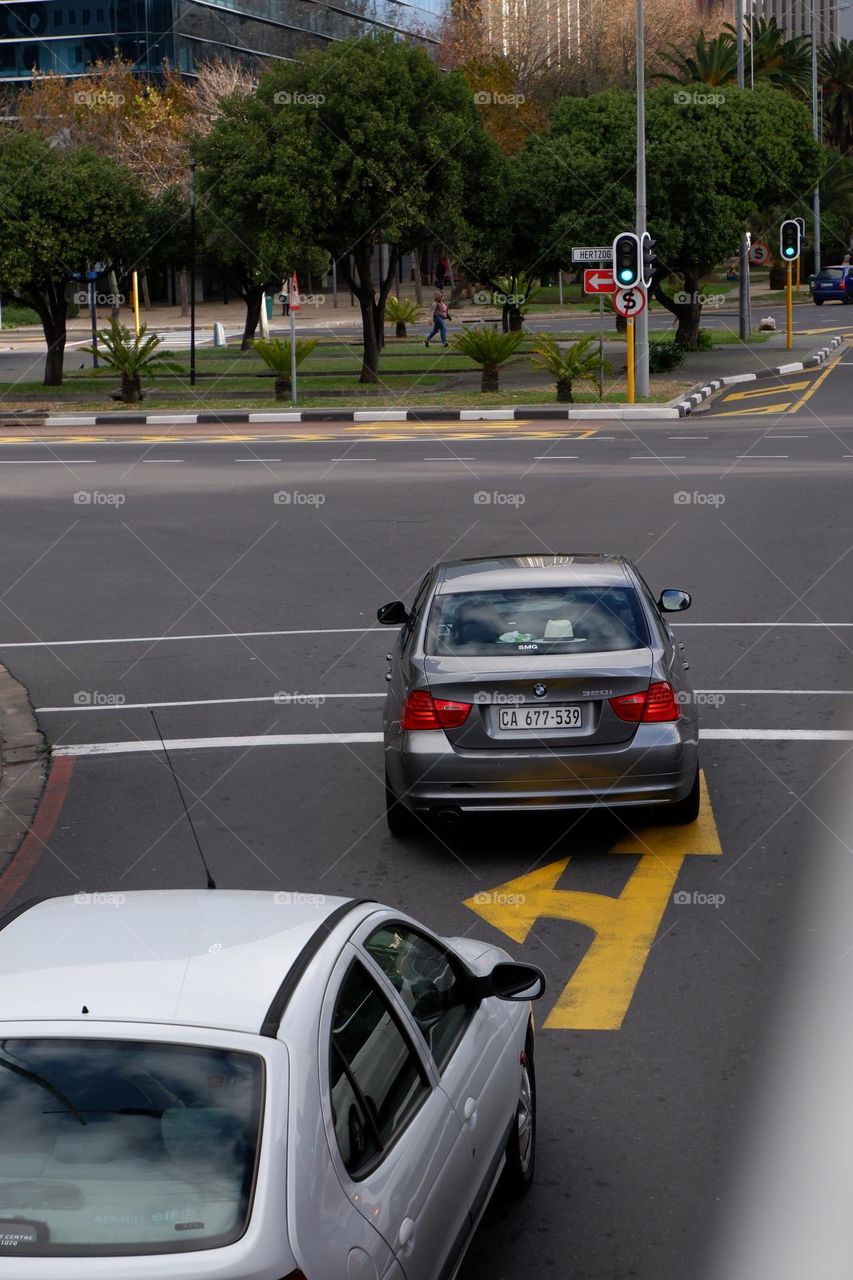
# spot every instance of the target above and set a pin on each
(440, 316)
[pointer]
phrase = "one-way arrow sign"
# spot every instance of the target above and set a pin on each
(598, 281)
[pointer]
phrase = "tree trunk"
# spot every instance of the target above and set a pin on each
(621, 323)
(370, 351)
(51, 312)
(185, 293)
(253, 297)
(131, 388)
(400, 330)
(516, 320)
(490, 378)
(283, 388)
(688, 314)
(146, 292)
(564, 391)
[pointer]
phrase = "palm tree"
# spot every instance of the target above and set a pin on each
(711, 62)
(566, 365)
(133, 356)
(785, 63)
(275, 353)
(401, 312)
(836, 78)
(490, 349)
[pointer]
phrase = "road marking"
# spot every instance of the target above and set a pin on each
(750, 456)
(148, 461)
(352, 459)
(819, 380)
(740, 413)
(291, 700)
(40, 831)
(242, 741)
(656, 457)
(599, 993)
(46, 462)
(556, 457)
(257, 459)
(757, 392)
(449, 458)
(803, 436)
(687, 437)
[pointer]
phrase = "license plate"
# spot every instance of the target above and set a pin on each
(532, 718)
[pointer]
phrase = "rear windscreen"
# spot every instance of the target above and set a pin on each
(541, 620)
(125, 1147)
(831, 273)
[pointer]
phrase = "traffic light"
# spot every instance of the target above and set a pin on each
(801, 223)
(650, 261)
(789, 240)
(627, 260)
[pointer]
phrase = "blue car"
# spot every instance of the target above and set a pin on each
(833, 283)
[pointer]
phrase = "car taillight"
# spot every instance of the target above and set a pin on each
(656, 704)
(422, 711)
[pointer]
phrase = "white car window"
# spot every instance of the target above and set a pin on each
(112, 1147)
(430, 983)
(376, 1079)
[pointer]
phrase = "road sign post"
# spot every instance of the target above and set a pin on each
(790, 309)
(601, 346)
(630, 341)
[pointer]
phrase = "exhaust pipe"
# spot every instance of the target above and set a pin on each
(448, 816)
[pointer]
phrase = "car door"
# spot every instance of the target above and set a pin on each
(396, 1142)
(471, 1044)
(398, 675)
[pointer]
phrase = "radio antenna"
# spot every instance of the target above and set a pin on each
(211, 883)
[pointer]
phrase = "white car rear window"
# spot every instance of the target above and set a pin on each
(125, 1147)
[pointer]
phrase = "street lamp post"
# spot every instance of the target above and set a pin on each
(192, 273)
(641, 351)
(815, 129)
(744, 316)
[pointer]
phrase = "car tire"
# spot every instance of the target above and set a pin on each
(818, 302)
(686, 810)
(400, 820)
(521, 1147)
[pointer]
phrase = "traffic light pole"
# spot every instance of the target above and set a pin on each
(790, 307)
(629, 336)
(642, 347)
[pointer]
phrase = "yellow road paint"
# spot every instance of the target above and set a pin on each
(599, 993)
(819, 380)
(766, 391)
(765, 408)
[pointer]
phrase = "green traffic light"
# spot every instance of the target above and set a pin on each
(626, 274)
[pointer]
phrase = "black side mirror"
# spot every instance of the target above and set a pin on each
(510, 981)
(393, 614)
(674, 601)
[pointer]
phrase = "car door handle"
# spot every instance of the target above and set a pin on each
(407, 1235)
(470, 1112)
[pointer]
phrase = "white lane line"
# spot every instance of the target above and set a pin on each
(750, 456)
(336, 631)
(449, 458)
(148, 461)
(556, 457)
(658, 457)
(245, 741)
(803, 436)
(46, 462)
(256, 459)
(687, 437)
(290, 700)
(351, 459)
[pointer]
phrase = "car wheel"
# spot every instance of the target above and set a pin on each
(818, 302)
(686, 810)
(521, 1147)
(400, 820)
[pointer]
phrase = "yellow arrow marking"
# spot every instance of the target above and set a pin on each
(765, 408)
(767, 391)
(599, 992)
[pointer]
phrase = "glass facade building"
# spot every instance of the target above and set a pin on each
(67, 36)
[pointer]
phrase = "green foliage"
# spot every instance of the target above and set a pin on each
(836, 77)
(402, 311)
(567, 365)
(664, 357)
(64, 209)
(489, 348)
(712, 62)
(133, 356)
(704, 340)
(276, 353)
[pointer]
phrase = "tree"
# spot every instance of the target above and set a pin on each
(388, 152)
(133, 356)
(567, 365)
(489, 348)
(836, 78)
(711, 62)
(64, 210)
(711, 169)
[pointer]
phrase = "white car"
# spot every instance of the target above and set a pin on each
(226, 1085)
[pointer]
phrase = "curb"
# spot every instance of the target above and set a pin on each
(23, 765)
(236, 417)
(810, 362)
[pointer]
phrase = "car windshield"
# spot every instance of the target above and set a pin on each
(125, 1147)
(572, 619)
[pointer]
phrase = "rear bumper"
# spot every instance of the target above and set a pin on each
(657, 766)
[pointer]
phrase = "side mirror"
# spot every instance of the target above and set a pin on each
(674, 601)
(394, 614)
(510, 981)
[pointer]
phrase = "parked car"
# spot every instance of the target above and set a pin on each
(832, 284)
(254, 1086)
(536, 682)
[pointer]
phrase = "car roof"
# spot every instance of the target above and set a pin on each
(210, 958)
(589, 569)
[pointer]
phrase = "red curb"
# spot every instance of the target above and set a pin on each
(35, 841)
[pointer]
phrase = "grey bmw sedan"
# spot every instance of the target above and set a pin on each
(537, 682)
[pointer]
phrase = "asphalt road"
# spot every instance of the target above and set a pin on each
(182, 584)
